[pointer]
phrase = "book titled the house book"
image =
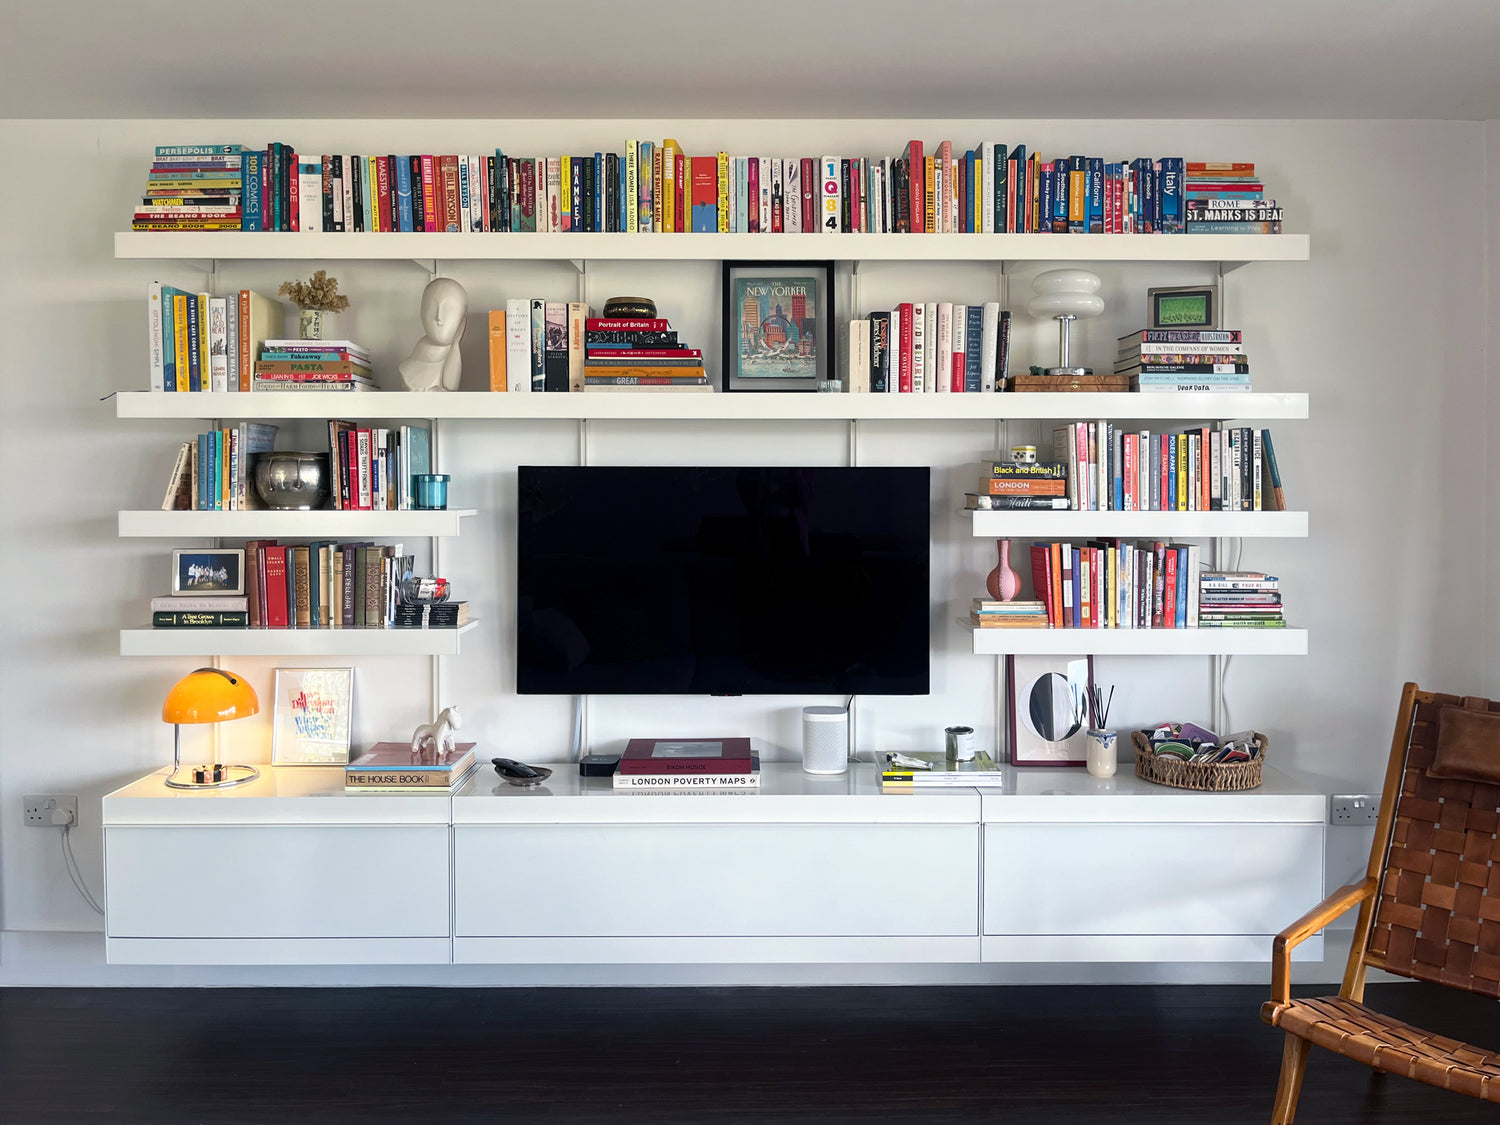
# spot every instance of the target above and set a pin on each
(392, 765)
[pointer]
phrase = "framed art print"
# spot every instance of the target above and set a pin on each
(1046, 704)
(208, 572)
(310, 726)
(777, 325)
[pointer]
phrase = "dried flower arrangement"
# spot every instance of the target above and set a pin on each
(319, 293)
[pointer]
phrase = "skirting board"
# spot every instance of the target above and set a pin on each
(1102, 948)
(278, 951)
(710, 950)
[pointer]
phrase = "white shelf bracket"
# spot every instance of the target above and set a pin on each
(582, 265)
(427, 265)
(1229, 267)
(579, 264)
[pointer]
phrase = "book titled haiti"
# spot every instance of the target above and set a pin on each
(687, 756)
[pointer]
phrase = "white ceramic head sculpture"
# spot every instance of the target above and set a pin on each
(435, 364)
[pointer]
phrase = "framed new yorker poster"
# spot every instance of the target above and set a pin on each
(1047, 712)
(310, 725)
(777, 325)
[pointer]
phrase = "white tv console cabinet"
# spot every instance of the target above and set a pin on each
(1053, 866)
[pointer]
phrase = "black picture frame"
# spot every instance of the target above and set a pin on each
(1207, 294)
(787, 330)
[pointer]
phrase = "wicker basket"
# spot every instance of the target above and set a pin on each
(1201, 776)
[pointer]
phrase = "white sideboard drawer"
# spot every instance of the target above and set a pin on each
(707, 880)
(281, 881)
(1163, 879)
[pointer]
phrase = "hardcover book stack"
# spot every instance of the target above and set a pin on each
(922, 347)
(718, 763)
(1197, 470)
(988, 614)
(1184, 359)
(1240, 599)
(199, 342)
(192, 187)
(639, 355)
(392, 767)
(313, 365)
(372, 467)
(323, 585)
(1112, 584)
(1014, 486)
(925, 769)
(438, 615)
(178, 612)
(1229, 198)
(215, 471)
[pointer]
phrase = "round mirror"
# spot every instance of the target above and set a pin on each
(1050, 709)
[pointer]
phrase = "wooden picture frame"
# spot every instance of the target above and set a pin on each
(788, 344)
(208, 573)
(1042, 690)
(312, 716)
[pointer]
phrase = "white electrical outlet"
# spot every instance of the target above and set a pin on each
(40, 810)
(1353, 808)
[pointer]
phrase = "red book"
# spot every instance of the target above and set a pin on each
(274, 575)
(904, 362)
(916, 189)
(293, 191)
(705, 194)
(646, 353)
(686, 755)
(681, 190)
(351, 466)
(1169, 592)
(1041, 575)
(956, 377)
(383, 190)
(1233, 168)
(809, 192)
(429, 194)
(600, 324)
(752, 194)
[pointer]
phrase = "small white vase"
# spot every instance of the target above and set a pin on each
(1101, 752)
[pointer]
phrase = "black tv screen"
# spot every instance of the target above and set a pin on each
(722, 581)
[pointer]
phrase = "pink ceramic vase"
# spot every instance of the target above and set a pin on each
(1003, 583)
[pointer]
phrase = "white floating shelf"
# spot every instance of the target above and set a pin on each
(293, 525)
(645, 406)
(319, 246)
(1142, 642)
(1145, 525)
(292, 642)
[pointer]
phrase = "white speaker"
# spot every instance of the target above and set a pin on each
(825, 740)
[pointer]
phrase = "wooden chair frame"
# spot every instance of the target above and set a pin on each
(1382, 1043)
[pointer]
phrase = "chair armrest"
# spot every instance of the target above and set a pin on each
(1340, 902)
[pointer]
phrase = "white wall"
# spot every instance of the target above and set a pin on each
(1385, 327)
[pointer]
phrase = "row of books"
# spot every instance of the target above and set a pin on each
(557, 346)
(215, 471)
(372, 467)
(919, 347)
(652, 187)
(199, 342)
(1184, 359)
(392, 767)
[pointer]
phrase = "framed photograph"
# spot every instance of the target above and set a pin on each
(778, 326)
(1046, 704)
(1183, 306)
(310, 724)
(204, 573)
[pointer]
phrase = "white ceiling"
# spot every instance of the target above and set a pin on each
(751, 58)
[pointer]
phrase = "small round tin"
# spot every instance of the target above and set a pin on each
(960, 743)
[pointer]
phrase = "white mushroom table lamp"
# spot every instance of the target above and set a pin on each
(1066, 295)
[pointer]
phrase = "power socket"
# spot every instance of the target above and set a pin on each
(39, 809)
(1345, 809)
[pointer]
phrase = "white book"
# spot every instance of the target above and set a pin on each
(1193, 585)
(960, 347)
(218, 344)
(792, 209)
(349, 191)
(1102, 489)
(893, 381)
(477, 188)
(987, 202)
(1255, 468)
(764, 203)
(989, 345)
(859, 357)
(177, 482)
(942, 376)
(310, 199)
(828, 223)
(632, 187)
(518, 343)
(918, 348)
(156, 344)
(688, 780)
(930, 334)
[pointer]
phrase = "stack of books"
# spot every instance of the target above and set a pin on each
(1112, 584)
(313, 365)
(639, 355)
(1012, 486)
(987, 614)
(921, 769)
(323, 585)
(192, 187)
(1228, 198)
(439, 615)
(391, 767)
(214, 472)
(918, 347)
(1240, 599)
(179, 612)
(198, 342)
(1197, 470)
(1184, 359)
(658, 764)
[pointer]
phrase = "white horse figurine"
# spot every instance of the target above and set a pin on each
(436, 738)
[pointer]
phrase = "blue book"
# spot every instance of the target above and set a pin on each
(1094, 211)
(741, 195)
(1182, 587)
(973, 346)
(403, 194)
(599, 197)
(1171, 195)
(250, 190)
(463, 193)
(168, 341)
(622, 201)
(966, 225)
(1047, 201)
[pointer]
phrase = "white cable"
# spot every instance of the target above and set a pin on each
(76, 875)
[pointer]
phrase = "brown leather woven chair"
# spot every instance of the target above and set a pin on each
(1429, 906)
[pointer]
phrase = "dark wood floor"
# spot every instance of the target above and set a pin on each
(1036, 1055)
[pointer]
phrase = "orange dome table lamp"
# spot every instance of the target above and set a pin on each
(208, 695)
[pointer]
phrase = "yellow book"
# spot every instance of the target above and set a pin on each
(224, 439)
(724, 193)
(630, 184)
(567, 189)
(1182, 473)
(261, 319)
(180, 339)
(976, 224)
(204, 377)
(929, 221)
(372, 177)
(669, 151)
(497, 350)
(1035, 181)
(1114, 588)
(1077, 197)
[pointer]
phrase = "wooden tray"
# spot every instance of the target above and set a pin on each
(1053, 383)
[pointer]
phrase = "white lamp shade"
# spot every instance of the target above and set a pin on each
(1066, 292)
